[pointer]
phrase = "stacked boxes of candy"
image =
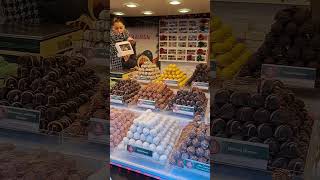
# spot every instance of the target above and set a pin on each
(172, 72)
(229, 55)
(153, 132)
(127, 89)
(193, 144)
(148, 71)
(98, 37)
(120, 122)
(158, 92)
(272, 116)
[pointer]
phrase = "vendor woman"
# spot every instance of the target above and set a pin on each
(119, 33)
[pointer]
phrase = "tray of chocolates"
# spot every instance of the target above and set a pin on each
(272, 115)
(200, 77)
(157, 93)
(124, 91)
(148, 72)
(120, 122)
(55, 86)
(192, 149)
(152, 136)
(292, 41)
(193, 101)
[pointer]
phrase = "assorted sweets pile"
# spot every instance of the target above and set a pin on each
(98, 37)
(120, 122)
(192, 98)
(229, 55)
(127, 89)
(56, 86)
(98, 107)
(172, 72)
(148, 71)
(193, 144)
(7, 69)
(158, 92)
(201, 74)
(38, 164)
(292, 41)
(153, 132)
(273, 116)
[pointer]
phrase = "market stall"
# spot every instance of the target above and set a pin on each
(159, 119)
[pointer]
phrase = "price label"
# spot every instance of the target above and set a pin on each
(201, 85)
(185, 110)
(98, 131)
(240, 153)
(191, 164)
(143, 80)
(116, 99)
(139, 150)
(292, 76)
(19, 118)
(143, 103)
(171, 82)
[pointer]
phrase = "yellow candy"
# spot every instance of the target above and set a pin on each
(237, 50)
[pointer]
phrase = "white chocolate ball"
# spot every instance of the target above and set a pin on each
(143, 137)
(153, 132)
(149, 139)
(139, 129)
(146, 145)
(132, 142)
(133, 128)
(136, 136)
(139, 143)
(152, 147)
(146, 131)
(155, 156)
(159, 149)
(130, 134)
(125, 140)
(156, 140)
(163, 158)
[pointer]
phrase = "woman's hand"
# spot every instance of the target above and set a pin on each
(131, 40)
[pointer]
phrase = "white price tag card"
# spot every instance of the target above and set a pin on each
(143, 103)
(116, 99)
(185, 110)
(290, 75)
(171, 82)
(19, 118)
(201, 85)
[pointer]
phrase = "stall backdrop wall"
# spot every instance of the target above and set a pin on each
(145, 31)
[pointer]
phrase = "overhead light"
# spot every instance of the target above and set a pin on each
(131, 5)
(118, 13)
(147, 12)
(175, 2)
(184, 10)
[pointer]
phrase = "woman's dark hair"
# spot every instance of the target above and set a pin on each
(117, 20)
